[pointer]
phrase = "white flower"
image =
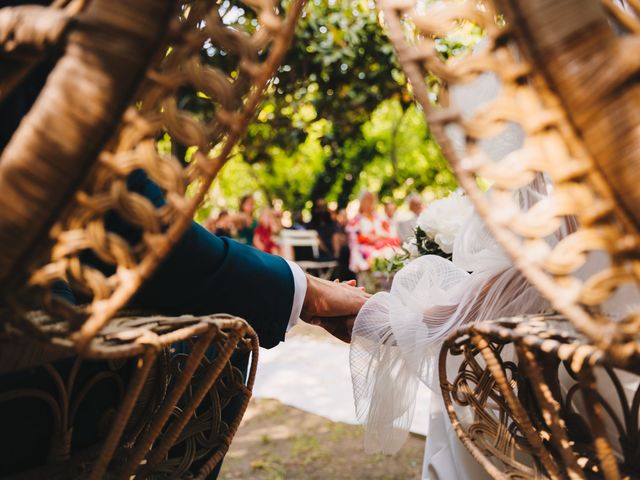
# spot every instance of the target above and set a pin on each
(387, 253)
(443, 219)
(412, 248)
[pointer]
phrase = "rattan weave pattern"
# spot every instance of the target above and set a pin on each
(553, 145)
(155, 430)
(59, 139)
(538, 411)
(566, 80)
(231, 92)
(112, 95)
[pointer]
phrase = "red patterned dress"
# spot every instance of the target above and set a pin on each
(368, 236)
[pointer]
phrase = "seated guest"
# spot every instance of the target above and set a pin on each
(264, 233)
(390, 208)
(245, 221)
(323, 223)
(406, 227)
(276, 223)
(368, 232)
(341, 245)
(297, 223)
(223, 225)
(210, 224)
(340, 238)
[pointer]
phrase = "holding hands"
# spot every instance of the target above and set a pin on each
(333, 305)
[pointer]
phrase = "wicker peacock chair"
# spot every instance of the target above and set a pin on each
(118, 71)
(564, 75)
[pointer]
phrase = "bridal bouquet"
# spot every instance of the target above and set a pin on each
(436, 230)
(439, 225)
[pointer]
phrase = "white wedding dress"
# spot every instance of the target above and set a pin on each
(398, 334)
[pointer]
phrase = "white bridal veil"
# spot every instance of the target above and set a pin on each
(397, 335)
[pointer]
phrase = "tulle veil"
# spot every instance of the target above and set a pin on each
(398, 334)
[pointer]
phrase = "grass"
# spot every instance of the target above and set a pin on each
(277, 442)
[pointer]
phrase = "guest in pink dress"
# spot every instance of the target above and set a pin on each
(369, 233)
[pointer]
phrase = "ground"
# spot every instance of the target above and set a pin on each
(278, 442)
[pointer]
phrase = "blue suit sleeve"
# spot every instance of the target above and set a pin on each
(205, 274)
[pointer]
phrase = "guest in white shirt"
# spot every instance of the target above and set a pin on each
(407, 226)
(390, 208)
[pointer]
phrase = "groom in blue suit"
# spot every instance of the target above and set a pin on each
(206, 274)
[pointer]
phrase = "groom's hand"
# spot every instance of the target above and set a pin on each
(332, 305)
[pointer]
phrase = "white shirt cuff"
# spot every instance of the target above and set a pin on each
(300, 291)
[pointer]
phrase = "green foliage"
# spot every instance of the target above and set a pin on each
(339, 69)
(405, 157)
(389, 266)
(338, 117)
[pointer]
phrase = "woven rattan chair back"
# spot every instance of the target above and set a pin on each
(126, 64)
(58, 142)
(112, 105)
(551, 396)
(578, 128)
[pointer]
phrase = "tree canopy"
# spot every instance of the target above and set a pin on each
(338, 117)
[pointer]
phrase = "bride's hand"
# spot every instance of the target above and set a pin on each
(332, 305)
(339, 327)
